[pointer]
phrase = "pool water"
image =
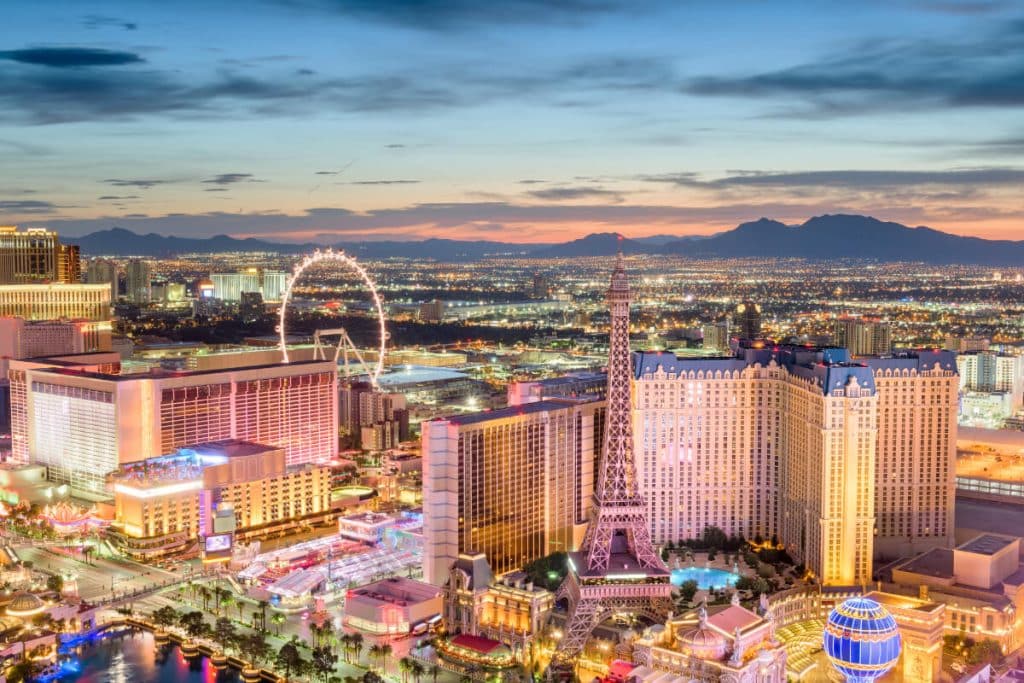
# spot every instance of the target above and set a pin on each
(131, 656)
(705, 577)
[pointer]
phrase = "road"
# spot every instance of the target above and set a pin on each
(100, 579)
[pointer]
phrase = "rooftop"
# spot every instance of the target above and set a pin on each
(511, 411)
(937, 562)
(987, 544)
(395, 590)
(161, 373)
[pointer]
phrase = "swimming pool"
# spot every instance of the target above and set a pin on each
(705, 577)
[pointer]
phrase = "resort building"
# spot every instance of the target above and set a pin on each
(36, 256)
(508, 610)
(84, 422)
(56, 301)
(392, 606)
(745, 443)
(216, 492)
(514, 484)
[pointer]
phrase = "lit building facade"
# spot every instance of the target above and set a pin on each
(56, 301)
(229, 488)
(231, 286)
(988, 371)
(509, 609)
(36, 256)
(102, 271)
(83, 424)
(746, 443)
(863, 337)
(139, 280)
(514, 484)
(20, 338)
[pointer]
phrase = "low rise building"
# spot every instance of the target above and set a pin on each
(216, 492)
(393, 606)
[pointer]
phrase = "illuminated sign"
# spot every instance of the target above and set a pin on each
(158, 490)
(218, 543)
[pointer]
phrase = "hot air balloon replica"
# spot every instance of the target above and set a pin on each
(862, 640)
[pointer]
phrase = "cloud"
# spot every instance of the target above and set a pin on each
(986, 71)
(461, 15)
(395, 145)
(852, 179)
(216, 189)
(70, 57)
(141, 183)
(572, 193)
(113, 197)
(25, 206)
(93, 21)
(382, 182)
(230, 179)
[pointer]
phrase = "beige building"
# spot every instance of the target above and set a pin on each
(863, 337)
(509, 609)
(981, 584)
(514, 484)
(225, 487)
(56, 302)
(83, 422)
(36, 256)
(20, 338)
(800, 443)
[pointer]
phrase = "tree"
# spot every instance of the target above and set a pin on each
(24, 671)
(357, 645)
(714, 537)
(204, 593)
(372, 677)
(404, 665)
(434, 671)
(278, 620)
(165, 616)
(324, 661)
(193, 623)
(224, 632)
(55, 583)
(416, 670)
(288, 657)
(687, 589)
(255, 647)
(986, 651)
(263, 605)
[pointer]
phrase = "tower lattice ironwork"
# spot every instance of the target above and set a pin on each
(617, 570)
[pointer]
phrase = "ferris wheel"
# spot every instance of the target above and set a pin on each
(374, 369)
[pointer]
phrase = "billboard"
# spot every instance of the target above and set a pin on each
(218, 543)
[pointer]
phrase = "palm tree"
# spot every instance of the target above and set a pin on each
(227, 600)
(416, 670)
(256, 647)
(385, 653)
(376, 653)
(278, 620)
(324, 661)
(434, 670)
(345, 640)
(357, 645)
(263, 605)
(404, 665)
(204, 593)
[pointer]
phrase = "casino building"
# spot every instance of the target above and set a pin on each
(215, 492)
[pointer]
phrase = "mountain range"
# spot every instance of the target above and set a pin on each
(825, 237)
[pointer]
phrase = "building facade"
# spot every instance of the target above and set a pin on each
(514, 484)
(84, 423)
(20, 338)
(102, 271)
(36, 256)
(803, 444)
(224, 487)
(863, 337)
(988, 371)
(56, 301)
(139, 280)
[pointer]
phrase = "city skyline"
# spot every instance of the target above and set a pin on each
(521, 122)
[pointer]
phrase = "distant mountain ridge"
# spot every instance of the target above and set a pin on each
(825, 237)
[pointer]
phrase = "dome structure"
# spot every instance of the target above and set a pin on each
(24, 604)
(862, 640)
(703, 642)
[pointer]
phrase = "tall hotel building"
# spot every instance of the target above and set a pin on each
(56, 301)
(841, 460)
(36, 256)
(515, 484)
(84, 422)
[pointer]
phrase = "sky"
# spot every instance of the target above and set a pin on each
(510, 120)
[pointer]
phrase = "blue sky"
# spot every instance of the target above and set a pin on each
(521, 120)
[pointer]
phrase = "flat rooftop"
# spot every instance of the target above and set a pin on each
(232, 448)
(511, 411)
(161, 373)
(395, 590)
(987, 544)
(937, 562)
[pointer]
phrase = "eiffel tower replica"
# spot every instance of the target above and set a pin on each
(617, 569)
